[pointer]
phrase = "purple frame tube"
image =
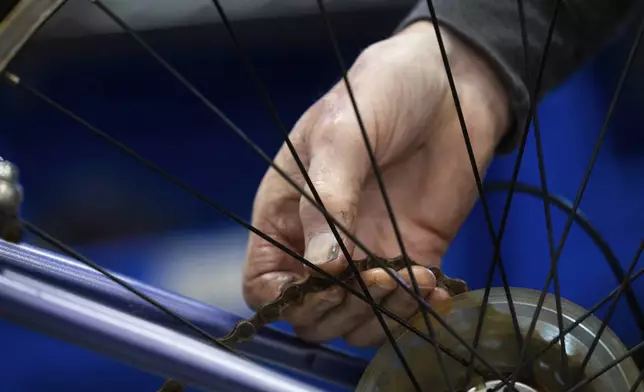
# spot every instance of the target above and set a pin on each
(63, 298)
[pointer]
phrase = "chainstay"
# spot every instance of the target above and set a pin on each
(293, 295)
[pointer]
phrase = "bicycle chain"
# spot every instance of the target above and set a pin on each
(293, 294)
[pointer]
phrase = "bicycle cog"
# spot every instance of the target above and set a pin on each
(498, 345)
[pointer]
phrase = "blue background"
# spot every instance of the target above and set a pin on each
(91, 195)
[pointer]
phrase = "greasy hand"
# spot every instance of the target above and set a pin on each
(409, 114)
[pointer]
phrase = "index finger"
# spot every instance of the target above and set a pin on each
(276, 213)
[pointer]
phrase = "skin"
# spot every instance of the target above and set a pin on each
(409, 114)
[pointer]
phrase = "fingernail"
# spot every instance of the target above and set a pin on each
(431, 284)
(322, 248)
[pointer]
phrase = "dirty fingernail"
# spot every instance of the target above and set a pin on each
(322, 248)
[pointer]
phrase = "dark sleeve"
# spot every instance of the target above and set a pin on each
(492, 27)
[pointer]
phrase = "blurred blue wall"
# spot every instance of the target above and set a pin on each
(130, 97)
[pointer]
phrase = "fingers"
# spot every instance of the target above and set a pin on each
(341, 319)
(338, 167)
(275, 213)
(403, 305)
(352, 316)
(371, 333)
(314, 307)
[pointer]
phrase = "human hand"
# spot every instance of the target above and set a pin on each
(407, 108)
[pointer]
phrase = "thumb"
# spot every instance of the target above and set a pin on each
(338, 168)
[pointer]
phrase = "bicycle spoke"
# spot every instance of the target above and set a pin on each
(269, 103)
(479, 186)
(381, 185)
(551, 247)
(542, 169)
(611, 365)
(637, 382)
(587, 227)
(72, 253)
(614, 295)
(422, 302)
(609, 314)
(519, 160)
(18, 82)
(582, 189)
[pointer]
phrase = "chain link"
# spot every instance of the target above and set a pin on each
(293, 295)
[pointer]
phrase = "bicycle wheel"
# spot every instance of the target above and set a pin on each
(480, 340)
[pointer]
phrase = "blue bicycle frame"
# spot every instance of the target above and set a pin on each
(65, 299)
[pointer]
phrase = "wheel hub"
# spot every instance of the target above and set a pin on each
(518, 387)
(498, 345)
